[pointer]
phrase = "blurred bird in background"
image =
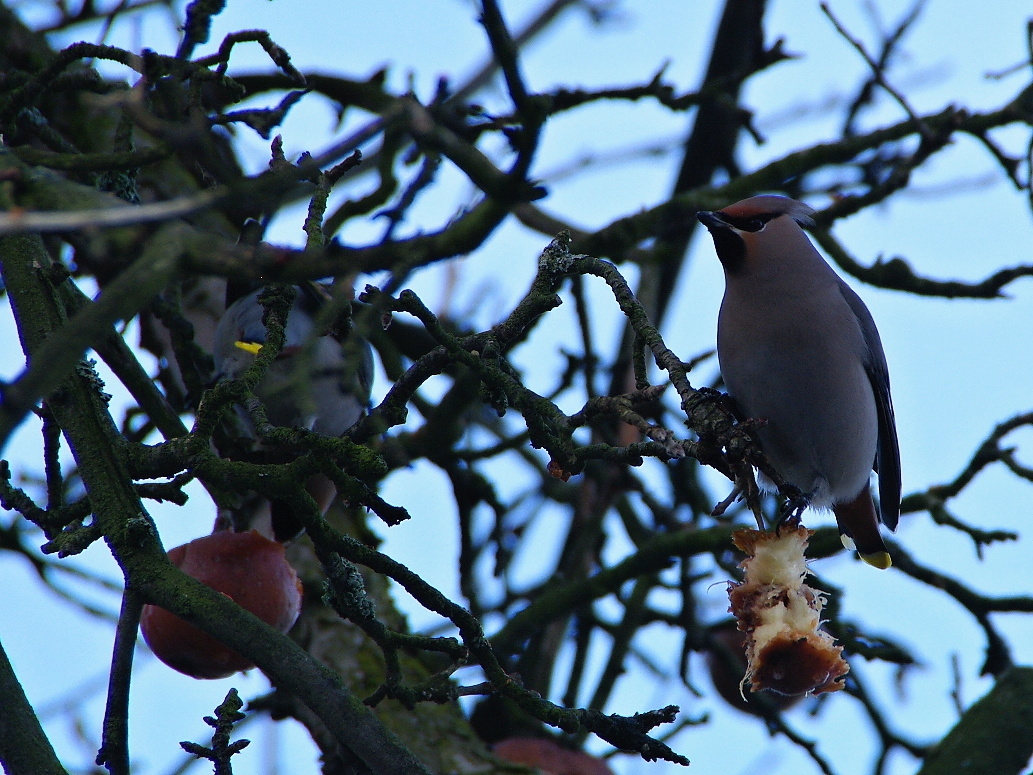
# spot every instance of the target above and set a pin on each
(319, 381)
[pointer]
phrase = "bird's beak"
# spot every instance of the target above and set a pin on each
(711, 219)
(251, 347)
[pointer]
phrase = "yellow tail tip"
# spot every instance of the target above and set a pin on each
(880, 560)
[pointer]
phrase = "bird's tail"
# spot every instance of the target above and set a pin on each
(859, 529)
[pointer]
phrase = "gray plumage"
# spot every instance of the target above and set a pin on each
(799, 349)
(317, 381)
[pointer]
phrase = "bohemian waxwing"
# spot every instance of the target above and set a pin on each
(333, 394)
(320, 380)
(799, 350)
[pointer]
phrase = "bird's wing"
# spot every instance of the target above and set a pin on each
(887, 456)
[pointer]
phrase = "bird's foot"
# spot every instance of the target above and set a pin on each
(793, 508)
(723, 401)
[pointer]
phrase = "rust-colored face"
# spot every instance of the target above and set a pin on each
(738, 226)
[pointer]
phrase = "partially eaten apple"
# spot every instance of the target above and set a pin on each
(786, 650)
(726, 663)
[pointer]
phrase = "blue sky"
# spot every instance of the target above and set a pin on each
(957, 367)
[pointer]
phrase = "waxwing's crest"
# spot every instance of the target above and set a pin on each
(768, 206)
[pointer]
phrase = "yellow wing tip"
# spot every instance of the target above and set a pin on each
(880, 560)
(251, 347)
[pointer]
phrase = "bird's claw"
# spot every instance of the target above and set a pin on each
(792, 510)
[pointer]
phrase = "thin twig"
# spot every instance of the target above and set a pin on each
(114, 748)
(878, 73)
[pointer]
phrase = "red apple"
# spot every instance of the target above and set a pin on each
(549, 757)
(246, 567)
